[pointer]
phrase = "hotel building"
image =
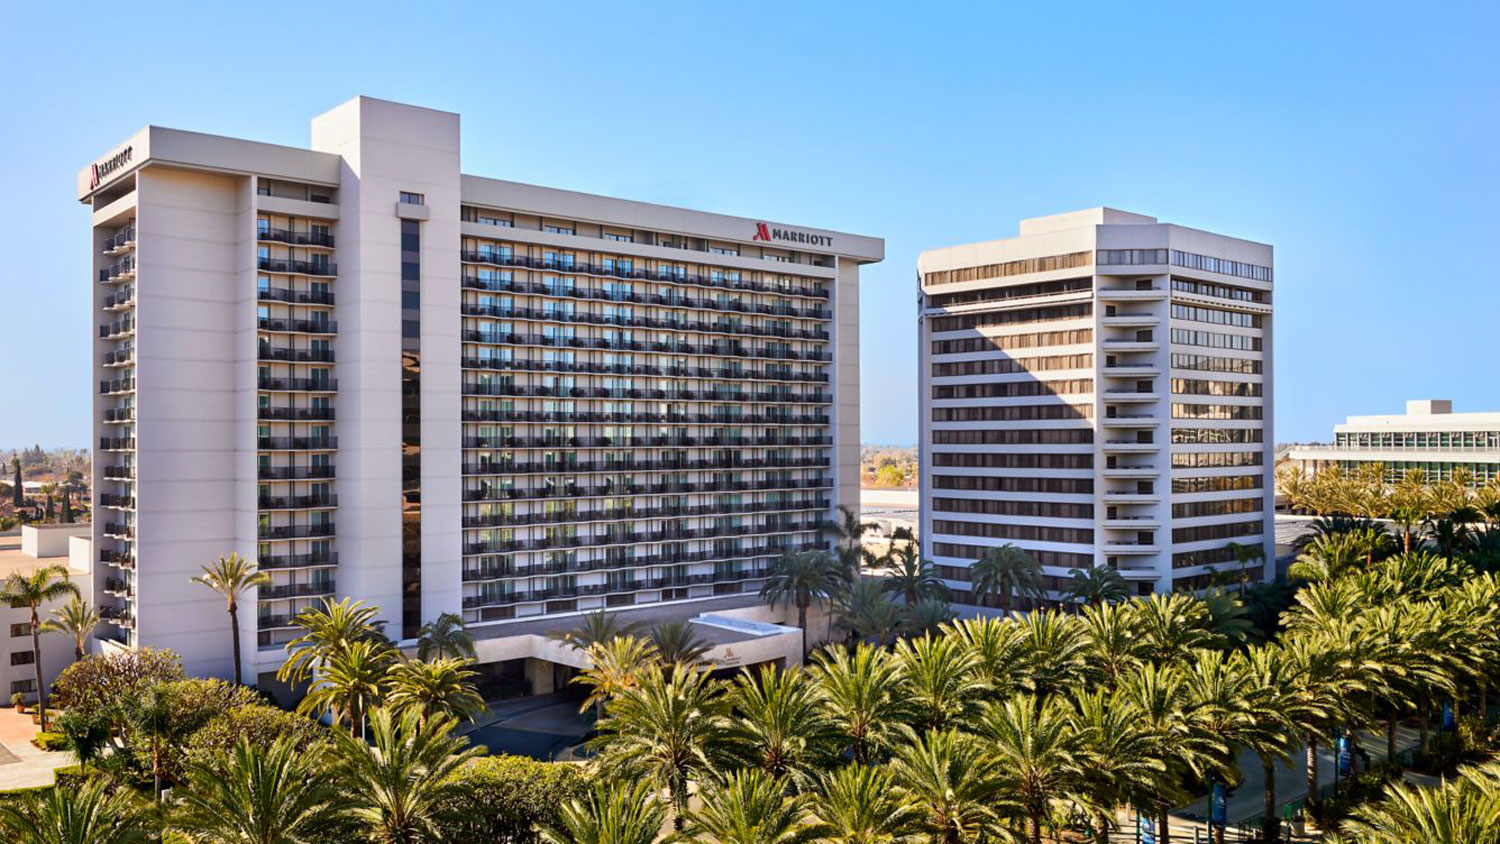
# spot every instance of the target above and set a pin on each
(1097, 391)
(385, 379)
(1429, 437)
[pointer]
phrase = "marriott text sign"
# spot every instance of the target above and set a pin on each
(109, 166)
(763, 231)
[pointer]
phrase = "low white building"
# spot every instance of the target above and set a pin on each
(1429, 437)
(33, 547)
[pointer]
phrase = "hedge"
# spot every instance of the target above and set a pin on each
(501, 799)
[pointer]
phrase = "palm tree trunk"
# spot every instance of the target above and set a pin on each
(1034, 824)
(1101, 827)
(1390, 737)
(234, 638)
(36, 664)
(1424, 729)
(1312, 767)
(1163, 832)
(1268, 823)
(1484, 700)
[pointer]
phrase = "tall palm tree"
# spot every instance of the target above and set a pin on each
(440, 687)
(1276, 691)
(864, 611)
(849, 532)
(999, 651)
(863, 692)
(750, 807)
(1053, 647)
(1461, 811)
(1229, 713)
(396, 785)
(860, 804)
(1114, 759)
(781, 726)
(76, 619)
(609, 813)
(914, 579)
(254, 795)
(231, 577)
(1112, 643)
(594, 628)
(1245, 555)
(94, 813)
(928, 616)
(1161, 698)
(1171, 626)
(1097, 585)
(327, 631)
(1007, 572)
(1031, 743)
(939, 680)
(946, 775)
(676, 643)
(613, 666)
(798, 580)
(661, 730)
(28, 591)
(350, 685)
(445, 636)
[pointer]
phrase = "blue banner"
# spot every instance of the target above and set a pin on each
(1145, 829)
(1218, 812)
(1345, 756)
(1449, 722)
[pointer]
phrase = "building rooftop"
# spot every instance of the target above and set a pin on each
(646, 615)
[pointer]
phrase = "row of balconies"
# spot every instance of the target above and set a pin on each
(297, 385)
(487, 492)
(295, 238)
(628, 271)
(278, 592)
(320, 443)
(626, 514)
(509, 568)
(268, 352)
(292, 561)
(644, 441)
(293, 473)
(582, 467)
(668, 300)
(710, 418)
(122, 239)
(556, 543)
(297, 502)
(731, 373)
(475, 601)
(674, 346)
(320, 530)
(292, 266)
(118, 271)
(295, 297)
(283, 325)
(118, 328)
(296, 414)
(711, 395)
(507, 312)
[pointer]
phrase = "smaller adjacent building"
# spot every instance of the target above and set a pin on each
(25, 552)
(1429, 436)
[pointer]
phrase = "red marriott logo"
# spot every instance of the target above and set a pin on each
(763, 231)
(104, 169)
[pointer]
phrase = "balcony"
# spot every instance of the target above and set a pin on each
(298, 326)
(298, 385)
(117, 443)
(116, 586)
(297, 443)
(118, 559)
(118, 271)
(123, 299)
(297, 502)
(314, 531)
(119, 357)
(1130, 472)
(118, 415)
(119, 531)
(1127, 497)
(1130, 420)
(1135, 370)
(1130, 321)
(627, 271)
(119, 473)
(295, 590)
(295, 238)
(267, 352)
(1135, 549)
(1131, 522)
(116, 385)
(294, 267)
(1133, 345)
(1131, 294)
(272, 622)
(295, 297)
(122, 239)
(294, 473)
(120, 502)
(297, 561)
(1130, 447)
(296, 414)
(1130, 395)
(120, 616)
(118, 328)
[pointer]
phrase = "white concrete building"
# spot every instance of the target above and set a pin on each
(23, 552)
(386, 379)
(1429, 437)
(1098, 392)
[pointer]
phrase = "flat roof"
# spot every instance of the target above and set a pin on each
(643, 615)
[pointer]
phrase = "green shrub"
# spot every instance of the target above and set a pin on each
(98, 683)
(259, 724)
(51, 741)
(195, 704)
(504, 798)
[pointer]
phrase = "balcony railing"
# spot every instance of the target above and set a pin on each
(674, 347)
(116, 443)
(628, 271)
(591, 466)
(299, 385)
(296, 531)
(634, 514)
(486, 492)
(295, 297)
(292, 473)
(296, 238)
(737, 374)
(291, 266)
(267, 352)
(297, 443)
(295, 590)
(684, 325)
(645, 442)
(118, 270)
(120, 239)
(297, 502)
(299, 326)
(710, 418)
(292, 561)
(669, 300)
(762, 396)
(314, 414)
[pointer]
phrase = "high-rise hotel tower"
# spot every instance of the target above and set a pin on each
(384, 379)
(1097, 391)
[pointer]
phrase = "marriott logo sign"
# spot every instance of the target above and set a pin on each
(109, 166)
(764, 231)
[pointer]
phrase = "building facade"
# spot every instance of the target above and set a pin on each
(1097, 391)
(1429, 437)
(385, 379)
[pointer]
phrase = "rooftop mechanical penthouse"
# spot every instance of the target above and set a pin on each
(385, 379)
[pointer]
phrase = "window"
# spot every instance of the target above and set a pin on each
(23, 657)
(552, 229)
(1220, 265)
(1069, 261)
(410, 198)
(619, 238)
(22, 629)
(723, 250)
(1131, 257)
(22, 686)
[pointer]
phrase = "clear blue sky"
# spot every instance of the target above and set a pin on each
(1359, 139)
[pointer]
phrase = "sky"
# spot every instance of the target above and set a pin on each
(1359, 139)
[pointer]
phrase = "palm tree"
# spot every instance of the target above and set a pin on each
(676, 643)
(595, 628)
(939, 680)
(1171, 626)
(946, 776)
(864, 611)
(396, 786)
(231, 576)
(29, 590)
(434, 687)
(661, 730)
(1030, 742)
(610, 813)
(1052, 646)
(750, 807)
(862, 690)
(350, 685)
(1007, 572)
(272, 795)
(849, 533)
(799, 579)
(95, 813)
(78, 620)
(153, 713)
(914, 579)
(1114, 759)
(1462, 811)
(859, 804)
(1230, 714)
(781, 726)
(1160, 696)
(1327, 556)
(445, 636)
(1097, 585)
(613, 666)
(928, 616)
(1276, 690)
(1112, 643)
(328, 630)
(999, 652)
(1246, 554)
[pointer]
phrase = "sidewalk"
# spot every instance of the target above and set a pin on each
(31, 767)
